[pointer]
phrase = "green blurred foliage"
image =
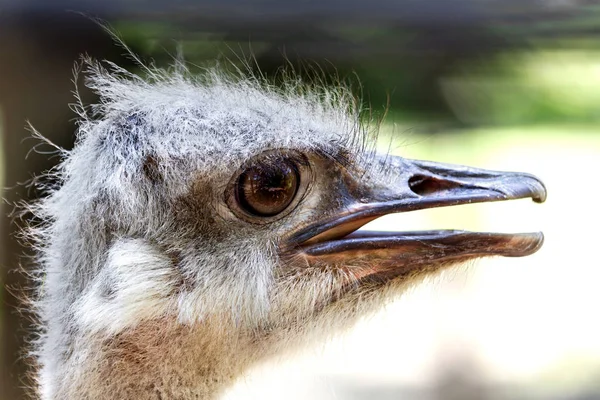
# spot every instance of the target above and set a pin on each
(552, 79)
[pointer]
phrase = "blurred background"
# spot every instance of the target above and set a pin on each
(498, 84)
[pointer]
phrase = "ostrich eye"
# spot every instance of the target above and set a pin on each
(267, 189)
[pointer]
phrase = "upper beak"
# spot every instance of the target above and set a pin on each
(414, 185)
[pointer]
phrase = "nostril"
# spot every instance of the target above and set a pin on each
(425, 185)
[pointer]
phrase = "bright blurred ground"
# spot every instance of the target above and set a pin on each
(526, 324)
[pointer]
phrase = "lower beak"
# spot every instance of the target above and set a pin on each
(414, 185)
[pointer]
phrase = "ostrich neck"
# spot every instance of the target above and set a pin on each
(158, 360)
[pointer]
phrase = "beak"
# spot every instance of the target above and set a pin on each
(414, 185)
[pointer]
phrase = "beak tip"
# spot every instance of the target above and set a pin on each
(536, 245)
(527, 244)
(540, 193)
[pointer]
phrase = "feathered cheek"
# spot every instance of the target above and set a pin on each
(136, 283)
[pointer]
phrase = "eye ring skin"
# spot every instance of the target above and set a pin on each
(304, 173)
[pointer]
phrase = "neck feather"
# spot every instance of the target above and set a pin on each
(157, 360)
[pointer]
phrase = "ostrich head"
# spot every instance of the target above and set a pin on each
(203, 223)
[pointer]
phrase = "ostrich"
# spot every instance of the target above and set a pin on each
(203, 223)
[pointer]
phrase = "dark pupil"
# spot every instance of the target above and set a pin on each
(267, 190)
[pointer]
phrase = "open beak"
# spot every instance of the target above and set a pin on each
(415, 185)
